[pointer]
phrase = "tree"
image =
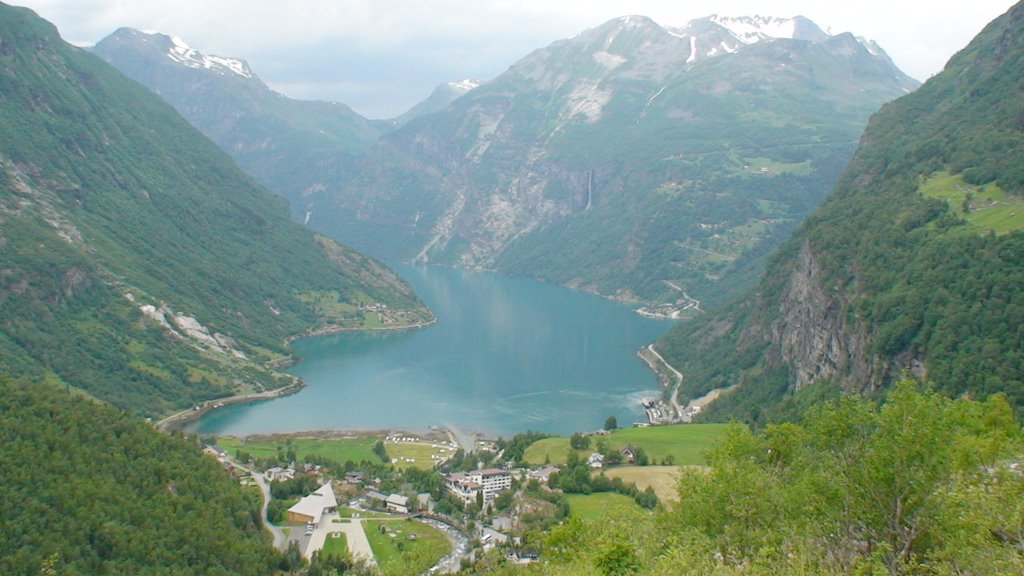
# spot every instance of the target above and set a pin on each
(504, 500)
(640, 457)
(378, 449)
(611, 423)
(579, 441)
(618, 560)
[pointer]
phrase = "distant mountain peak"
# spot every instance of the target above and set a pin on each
(179, 51)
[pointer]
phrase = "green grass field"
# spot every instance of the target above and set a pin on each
(991, 208)
(398, 555)
(686, 443)
(335, 545)
(595, 506)
(338, 449)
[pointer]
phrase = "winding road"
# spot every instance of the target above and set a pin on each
(280, 540)
(674, 400)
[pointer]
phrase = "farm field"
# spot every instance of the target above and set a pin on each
(683, 444)
(663, 479)
(354, 448)
(985, 208)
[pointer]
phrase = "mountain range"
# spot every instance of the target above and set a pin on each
(641, 162)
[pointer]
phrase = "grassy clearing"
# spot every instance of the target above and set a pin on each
(335, 545)
(685, 443)
(340, 450)
(663, 479)
(596, 506)
(985, 208)
(797, 168)
(397, 554)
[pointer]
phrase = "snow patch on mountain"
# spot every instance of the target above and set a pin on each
(726, 34)
(465, 85)
(182, 53)
(751, 29)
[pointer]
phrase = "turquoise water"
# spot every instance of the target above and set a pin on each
(506, 355)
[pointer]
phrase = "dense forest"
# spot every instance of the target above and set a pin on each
(85, 489)
(915, 262)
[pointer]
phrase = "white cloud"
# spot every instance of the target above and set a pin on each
(396, 51)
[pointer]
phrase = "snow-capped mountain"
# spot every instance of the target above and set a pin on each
(262, 129)
(438, 100)
(178, 51)
(715, 35)
(183, 53)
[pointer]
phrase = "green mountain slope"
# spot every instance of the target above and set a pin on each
(84, 489)
(299, 149)
(631, 160)
(915, 262)
(138, 263)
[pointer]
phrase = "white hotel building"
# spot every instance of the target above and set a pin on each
(465, 485)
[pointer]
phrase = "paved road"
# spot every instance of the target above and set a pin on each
(280, 540)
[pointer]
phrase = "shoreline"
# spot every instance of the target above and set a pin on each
(177, 420)
(437, 433)
(335, 329)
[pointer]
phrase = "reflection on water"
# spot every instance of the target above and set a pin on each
(506, 355)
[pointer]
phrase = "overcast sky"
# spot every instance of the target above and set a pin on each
(382, 56)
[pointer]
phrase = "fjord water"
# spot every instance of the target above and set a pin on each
(506, 355)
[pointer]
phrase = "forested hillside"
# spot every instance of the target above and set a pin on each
(138, 263)
(84, 490)
(914, 263)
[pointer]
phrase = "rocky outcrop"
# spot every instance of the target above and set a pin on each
(819, 336)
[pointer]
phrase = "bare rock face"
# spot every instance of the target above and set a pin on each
(74, 280)
(819, 336)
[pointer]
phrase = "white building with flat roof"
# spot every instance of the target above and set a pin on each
(490, 481)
